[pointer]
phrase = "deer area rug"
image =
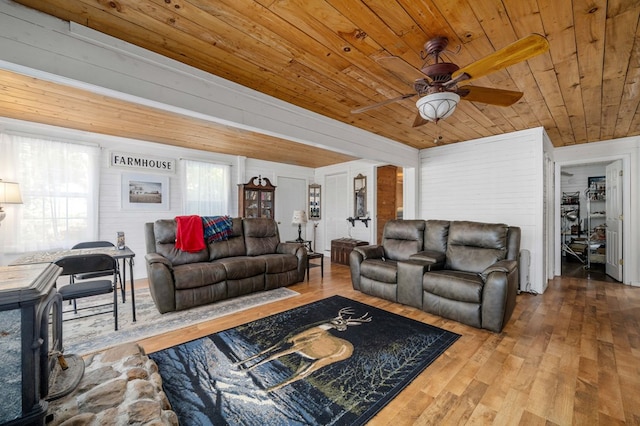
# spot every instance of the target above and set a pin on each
(332, 362)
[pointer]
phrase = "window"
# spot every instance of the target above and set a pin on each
(206, 191)
(59, 186)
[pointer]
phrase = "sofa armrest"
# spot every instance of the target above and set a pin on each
(152, 258)
(357, 256)
(370, 251)
(410, 273)
(434, 259)
(299, 251)
(161, 282)
(499, 294)
(504, 266)
(289, 248)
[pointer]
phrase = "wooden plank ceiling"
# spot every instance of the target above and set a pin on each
(332, 56)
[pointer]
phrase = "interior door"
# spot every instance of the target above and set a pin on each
(336, 202)
(614, 220)
(291, 194)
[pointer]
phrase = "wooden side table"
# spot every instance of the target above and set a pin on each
(314, 255)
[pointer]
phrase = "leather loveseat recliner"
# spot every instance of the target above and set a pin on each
(252, 259)
(461, 270)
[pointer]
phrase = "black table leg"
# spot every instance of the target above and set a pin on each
(133, 297)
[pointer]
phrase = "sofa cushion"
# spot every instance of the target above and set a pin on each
(241, 267)
(386, 291)
(436, 233)
(260, 236)
(402, 238)
(454, 285)
(188, 298)
(385, 271)
(232, 246)
(466, 313)
(279, 263)
(200, 274)
(474, 246)
(165, 233)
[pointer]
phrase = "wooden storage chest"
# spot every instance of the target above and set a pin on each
(342, 247)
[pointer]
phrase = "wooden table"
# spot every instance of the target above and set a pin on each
(125, 255)
(311, 255)
(314, 255)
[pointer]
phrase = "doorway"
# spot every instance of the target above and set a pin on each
(290, 196)
(585, 208)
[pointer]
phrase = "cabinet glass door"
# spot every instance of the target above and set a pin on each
(266, 204)
(252, 208)
(314, 202)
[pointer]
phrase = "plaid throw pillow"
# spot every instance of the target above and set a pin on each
(217, 228)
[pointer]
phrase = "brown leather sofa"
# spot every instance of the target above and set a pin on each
(253, 259)
(461, 270)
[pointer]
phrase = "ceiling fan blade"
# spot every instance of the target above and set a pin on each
(519, 51)
(383, 103)
(489, 96)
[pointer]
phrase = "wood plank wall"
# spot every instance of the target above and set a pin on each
(387, 202)
(497, 179)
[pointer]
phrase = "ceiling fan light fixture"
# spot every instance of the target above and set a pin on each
(436, 106)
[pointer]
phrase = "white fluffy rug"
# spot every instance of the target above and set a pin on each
(95, 333)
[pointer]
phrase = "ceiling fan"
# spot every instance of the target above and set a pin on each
(444, 83)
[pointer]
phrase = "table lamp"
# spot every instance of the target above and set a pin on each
(299, 218)
(9, 194)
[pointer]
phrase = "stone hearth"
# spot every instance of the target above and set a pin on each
(120, 386)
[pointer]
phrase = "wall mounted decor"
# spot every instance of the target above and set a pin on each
(360, 196)
(315, 206)
(145, 192)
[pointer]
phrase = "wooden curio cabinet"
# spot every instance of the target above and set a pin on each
(256, 198)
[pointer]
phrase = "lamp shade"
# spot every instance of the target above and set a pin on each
(299, 217)
(10, 193)
(437, 106)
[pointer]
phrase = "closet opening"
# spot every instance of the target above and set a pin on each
(590, 225)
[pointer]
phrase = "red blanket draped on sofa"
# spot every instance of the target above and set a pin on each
(189, 233)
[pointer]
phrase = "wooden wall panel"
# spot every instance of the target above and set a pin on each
(387, 201)
(469, 182)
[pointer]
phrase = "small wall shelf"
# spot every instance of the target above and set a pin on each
(364, 220)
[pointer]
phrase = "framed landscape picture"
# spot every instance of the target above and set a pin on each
(145, 192)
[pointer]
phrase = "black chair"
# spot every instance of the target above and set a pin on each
(89, 275)
(90, 263)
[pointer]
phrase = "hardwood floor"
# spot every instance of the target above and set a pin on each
(569, 356)
(576, 269)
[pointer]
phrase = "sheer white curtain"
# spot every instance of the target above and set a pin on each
(59, 182)
(206, 188)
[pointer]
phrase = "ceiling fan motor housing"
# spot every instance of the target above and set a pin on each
(438, 74)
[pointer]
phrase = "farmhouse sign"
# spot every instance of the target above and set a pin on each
(143, 162)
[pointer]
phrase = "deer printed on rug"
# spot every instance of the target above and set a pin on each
(314, 343)
(299, 367)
